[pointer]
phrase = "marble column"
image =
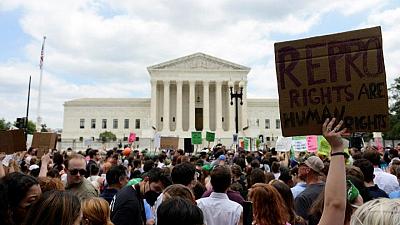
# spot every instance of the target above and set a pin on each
(206, 106)
(166, 126)
(153, 112)
(218, 104)
(191, 106)
(178, 118)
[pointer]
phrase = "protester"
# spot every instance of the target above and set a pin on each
(266, 202)
(76, 181)
(95, 211)
(218, 203)
(381, 211)
(18, 193)
(179, 211)
(116, 179)
(368, 171)
(55, 207)
(310, 171)
(385, 181)
(300, 184)
(179, 190)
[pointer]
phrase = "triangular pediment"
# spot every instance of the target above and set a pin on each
(198, 61)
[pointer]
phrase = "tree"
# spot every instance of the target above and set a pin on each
(4, 125)
(394, 110)
(107, 136)
(31, 127)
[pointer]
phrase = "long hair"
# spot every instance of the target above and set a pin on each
(96, 211)
(288, 199)
(54, 207)
(266, 202)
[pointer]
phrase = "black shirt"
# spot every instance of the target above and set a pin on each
(126, 208)
(305, 199)
(376, 192)
(108, 194)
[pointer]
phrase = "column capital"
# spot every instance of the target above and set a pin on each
(192, 82)
(206, 82)
(219, 82)
(179, 81)
(153, 82)
(166, 81)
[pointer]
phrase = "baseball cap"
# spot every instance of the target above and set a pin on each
(222, 157)
(315, 164)
(32, 167)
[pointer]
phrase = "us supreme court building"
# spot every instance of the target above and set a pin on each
(191, 93)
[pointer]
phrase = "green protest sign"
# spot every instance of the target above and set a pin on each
(246, 143)
(210, 136)
(196, 138)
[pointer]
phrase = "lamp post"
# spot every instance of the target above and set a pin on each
(236, 95)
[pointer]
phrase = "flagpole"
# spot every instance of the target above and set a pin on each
(39, 118)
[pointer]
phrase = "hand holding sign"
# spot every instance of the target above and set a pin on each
(334, 135)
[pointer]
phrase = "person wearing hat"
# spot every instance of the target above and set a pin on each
(311, 172)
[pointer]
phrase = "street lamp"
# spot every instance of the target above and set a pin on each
(236, 95)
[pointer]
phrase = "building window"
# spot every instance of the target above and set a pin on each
(258, 122)
(278, 123)
(115, 123)
(104, 124)
(173, 119)
(137, 124)
(125, 138)
(162, 119)
(267, 124)
(82, 123)
(126, 124)
(222, 119)
(93, 123)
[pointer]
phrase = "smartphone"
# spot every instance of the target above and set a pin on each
(247, 213)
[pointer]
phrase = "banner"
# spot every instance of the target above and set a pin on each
(132, 137)
(328, 76)
(299, 144)
(44, 141)
(12, 141)
(169, 143)
(246, 143)
(197, 138)
(210, 136)
(283, 144)
(312, 143)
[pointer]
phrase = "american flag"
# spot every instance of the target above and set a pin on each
(42, 53)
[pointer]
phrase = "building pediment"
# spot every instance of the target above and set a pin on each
(198, 61)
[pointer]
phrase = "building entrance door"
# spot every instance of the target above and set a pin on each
(199, 119)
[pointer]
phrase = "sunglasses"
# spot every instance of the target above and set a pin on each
(76, 171)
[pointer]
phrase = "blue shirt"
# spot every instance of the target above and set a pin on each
(296, 190)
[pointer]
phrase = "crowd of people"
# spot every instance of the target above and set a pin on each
(215, 187)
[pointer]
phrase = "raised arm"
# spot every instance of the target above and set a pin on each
(45, 163)
(335, 188)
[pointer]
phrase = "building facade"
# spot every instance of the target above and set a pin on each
(188, 94)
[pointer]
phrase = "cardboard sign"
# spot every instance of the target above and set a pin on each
(132, 137)
(312, 143)
(338, 75)
(43, 142)
(169, 143)
(12, 141)
(283, 144)
(197, 138)
(210, 136)
(246, 143)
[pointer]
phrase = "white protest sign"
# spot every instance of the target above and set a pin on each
(283, 144)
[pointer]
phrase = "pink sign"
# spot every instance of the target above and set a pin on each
(312, 143)
(132, 137)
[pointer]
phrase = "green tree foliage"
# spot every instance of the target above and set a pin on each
(107, 136)
(394, 109)
(31, 127)
(4, 125)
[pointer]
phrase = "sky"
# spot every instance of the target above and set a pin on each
(100, 48)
